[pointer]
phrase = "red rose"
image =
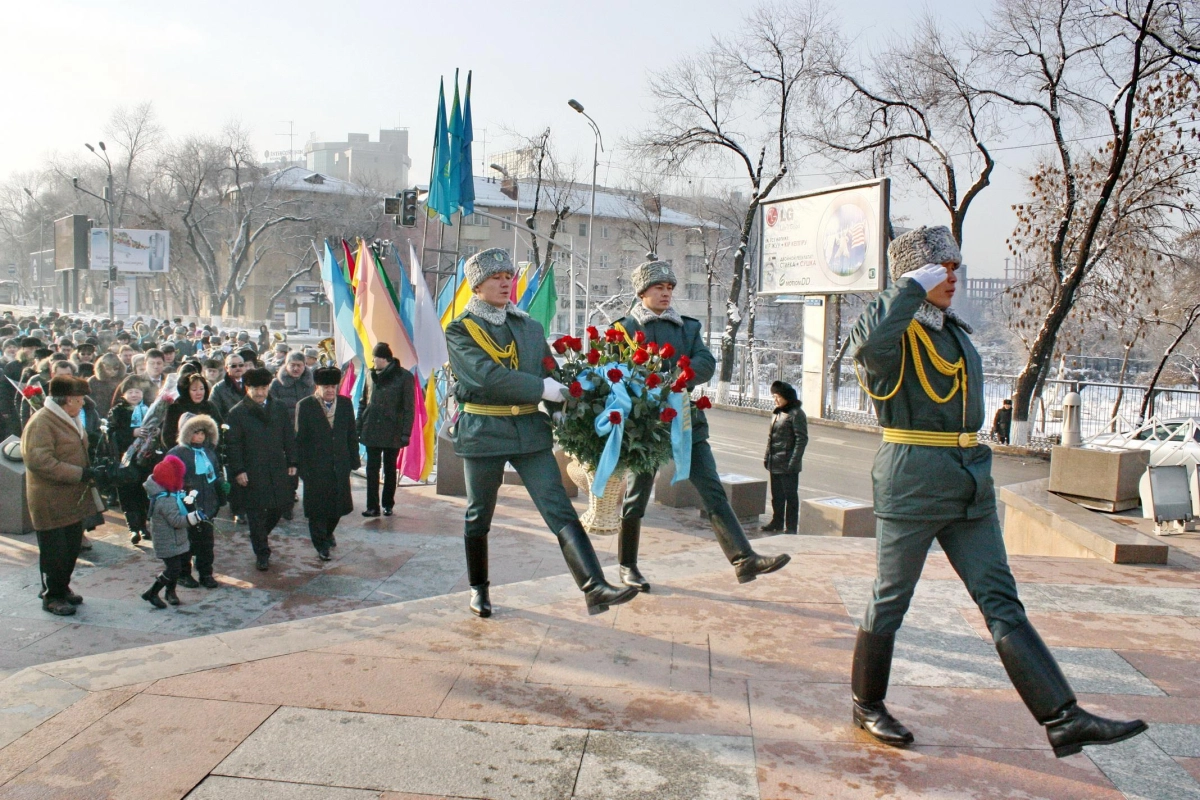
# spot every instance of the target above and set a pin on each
(679, 385)
(613, 335)
(653, 348)
(593, 357)
(684, 362)
(31, 391)
(653, 380)
(640, 356)
(615, 375)
(549, 363)
(576, 389)
(640, 337)
(687, 374)
(560, 347)
(593, 332)
(666, 351)
(575, 344)
(703, 403)
(614, 417)
(667, 415)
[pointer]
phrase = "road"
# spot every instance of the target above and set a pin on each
(836, 462)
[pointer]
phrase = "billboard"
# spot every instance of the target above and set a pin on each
(825, 242)
(134, 251)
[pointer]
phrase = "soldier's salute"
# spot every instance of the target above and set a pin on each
(497, 356)
(933, 480)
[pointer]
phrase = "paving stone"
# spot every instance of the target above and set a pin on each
(1125, 599)
(29, 698)
(1177, 740)
(76, 641)
(123, 667)
(1174, 673)
(461, 641)
(207, 611)
(345, 586)
(1140, 769)
(131, 613)
(217, 787)
(663, 766)
(426, 756)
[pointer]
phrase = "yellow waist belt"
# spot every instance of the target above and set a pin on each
(930, 438)
(499, 411)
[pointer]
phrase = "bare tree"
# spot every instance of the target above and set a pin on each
(734, 103)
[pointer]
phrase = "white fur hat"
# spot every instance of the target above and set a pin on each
(925, 245)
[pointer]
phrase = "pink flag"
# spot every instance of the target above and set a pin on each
(411, 461)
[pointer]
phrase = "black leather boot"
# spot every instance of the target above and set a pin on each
(585, 569)
(169, 594)
(151, 594)
(627, 554)
(869, 683)
(1042, 685)
(747, 564)
(477, 575)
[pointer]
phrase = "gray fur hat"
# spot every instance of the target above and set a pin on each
(925, 245)
(199, 422)
(646, 275)
(485, 264)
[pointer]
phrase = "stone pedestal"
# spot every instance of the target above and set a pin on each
(837, 516)
(14, 511)
(1104, 480)
(450, 479)
(747, 495)
(679, 495)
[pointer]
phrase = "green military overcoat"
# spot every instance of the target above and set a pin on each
(687, 339)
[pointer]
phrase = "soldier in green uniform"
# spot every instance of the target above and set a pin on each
(497, 355)
(932, 480)
(654, 283)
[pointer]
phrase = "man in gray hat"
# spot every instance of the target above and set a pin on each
(498, 357)
(932, 480)
(652, 314)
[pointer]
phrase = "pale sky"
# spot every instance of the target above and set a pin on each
(359, 65)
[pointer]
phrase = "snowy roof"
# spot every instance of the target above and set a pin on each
(610, 203)
(299, 179)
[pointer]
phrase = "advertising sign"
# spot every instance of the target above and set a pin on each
(827, 242)
(135, 250)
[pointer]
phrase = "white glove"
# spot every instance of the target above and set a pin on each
(928, 276)
(553, 391)
(194, 518)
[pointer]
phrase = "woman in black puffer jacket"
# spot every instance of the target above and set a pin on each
(385, 420)
(785, 454)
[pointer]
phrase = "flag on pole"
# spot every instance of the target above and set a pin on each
(544, 304)
(518, 283)
(427, 332)
(341, 301)
(431, 426)
(446, 293)
(408, 300)
(411, 460)
(455, 167)
(438, 203)
(466, 192)
(458, 305)
(380, 322)
(360, 300)
(531, 288)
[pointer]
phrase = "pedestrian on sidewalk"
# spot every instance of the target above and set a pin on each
(498, 355)
(262, 459)
(293, 382)
(326, 453)
(1002, 422)
(59, 488)
(225, 395)
(933, 480)
(385, 420)
(683, 337)
(171, 512)
(197, 449)
(785, 456)
(124, 427)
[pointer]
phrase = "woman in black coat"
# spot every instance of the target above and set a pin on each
(385, 420)
(193, 399)
(326, 453)
(784, 458)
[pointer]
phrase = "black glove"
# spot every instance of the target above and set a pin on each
(89, 475)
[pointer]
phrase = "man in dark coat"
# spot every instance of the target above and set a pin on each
(785, 457)
(1002, 422)
(293, 382)
(225, 395)
(385, 420)
(933, 480)
(654, 284)
(262, 459)
(326, 452)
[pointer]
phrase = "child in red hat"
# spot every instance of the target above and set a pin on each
(170, 514)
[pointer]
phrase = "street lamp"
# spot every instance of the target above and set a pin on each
(109, 200)
(599, 146)
(516, 196)
(41, 247)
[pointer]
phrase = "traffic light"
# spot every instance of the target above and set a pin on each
(391, 206)
(408, 208)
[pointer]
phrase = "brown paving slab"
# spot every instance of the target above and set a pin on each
(1175, 673)
(1115, 631)
(150, 747)
(1192, 765)
(324, 680)
(45, 738)
(466, 641)
(1094, 571)
(367, 561)
(788, 770)
(1181, 710)
(305, 606)
(809, 583)
(118, 581)
(125, 667)
(76, 641)
(407, 796)
(691, 662)
(603, 657)
(498, 694)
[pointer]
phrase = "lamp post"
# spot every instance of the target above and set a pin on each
(516, 196)
(109, 199)
(587, 290)
(41, 247)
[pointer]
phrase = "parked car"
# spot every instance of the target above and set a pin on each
(1170, 441)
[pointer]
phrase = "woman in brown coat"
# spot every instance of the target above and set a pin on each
(58, 488)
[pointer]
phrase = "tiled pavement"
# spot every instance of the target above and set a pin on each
(701, 689)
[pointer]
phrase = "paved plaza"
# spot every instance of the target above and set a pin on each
(367, 678)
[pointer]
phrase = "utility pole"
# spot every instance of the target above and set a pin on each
(110, 199)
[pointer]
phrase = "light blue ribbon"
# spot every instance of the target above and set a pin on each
(681, 434)
(618, 400)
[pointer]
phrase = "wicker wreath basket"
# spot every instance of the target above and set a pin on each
(603, 515)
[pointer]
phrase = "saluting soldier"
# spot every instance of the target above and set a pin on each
(654, 282)
(497, 354)
(933, 480)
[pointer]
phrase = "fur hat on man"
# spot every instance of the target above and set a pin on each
(646, 275)
(68, 386)
(922, 246)
(382, 350)
(485, 264)
(169, 473)
(296, 355)
(260, 376)
(327, 376)
(196, 423)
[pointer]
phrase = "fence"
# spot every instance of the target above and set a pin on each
(1103, 406)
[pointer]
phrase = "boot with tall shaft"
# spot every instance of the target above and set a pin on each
(477, 575)
(627, 554)
(585, 569)
(1040, 682)
(869, 684)
(747, 564)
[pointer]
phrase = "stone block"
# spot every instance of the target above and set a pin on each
(679, 495)
(512, 478)
(14, 511)
(1106, 480)
(747, 495)
(450, 479)
(837, 516)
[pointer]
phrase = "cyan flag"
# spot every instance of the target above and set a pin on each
(343, 310)
(439, 201)
(454, 168)
(446, 293)
(407, 300)
(466, 166)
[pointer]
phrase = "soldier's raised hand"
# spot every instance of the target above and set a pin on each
(928, 276)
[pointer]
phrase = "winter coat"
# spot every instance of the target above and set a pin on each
(175, 411)
(55, 456)
(289, 390)
(386, 408)
(786, 441)
(168, 522)
(208, 494)
(261, 442)
(225, 397)
(326, 454)
(102, 393)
